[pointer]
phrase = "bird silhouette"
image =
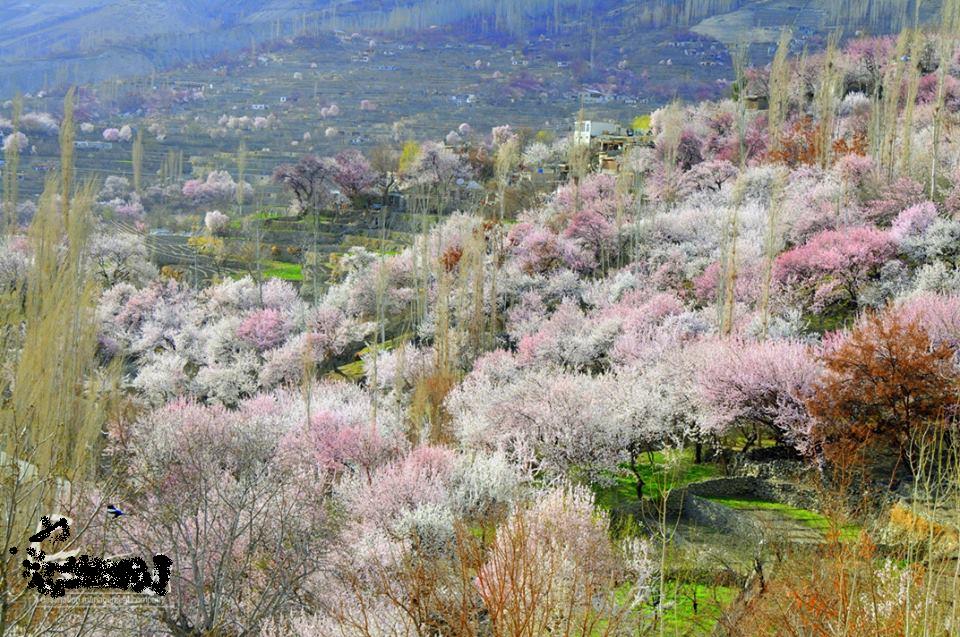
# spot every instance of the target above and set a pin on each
(114, 511)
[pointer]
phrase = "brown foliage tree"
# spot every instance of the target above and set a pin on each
(884, 383)
(798, 144)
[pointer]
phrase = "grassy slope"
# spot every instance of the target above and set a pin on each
(623, 488)
(285, 271)
(806, 517)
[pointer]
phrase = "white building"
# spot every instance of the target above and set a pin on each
(587, 130)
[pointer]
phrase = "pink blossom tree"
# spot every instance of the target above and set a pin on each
(708, 175)
(595, 232)
(354, 174)
(218, 186)
(746, 288)
(263, 329)
(913, 221)
(340, 443)
(245, 530)
(939, 314)
(308, 181)
(417, 479)
(597, 192)
(832, 265)
(537, 250)
(569, 338)
(753, 385)
(892, 198)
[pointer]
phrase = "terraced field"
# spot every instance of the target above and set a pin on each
(170, 248)
(423, 87)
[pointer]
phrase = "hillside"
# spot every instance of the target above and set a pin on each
(79, 41)
(352, 336)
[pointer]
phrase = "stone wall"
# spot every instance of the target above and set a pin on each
(755, 488)
(696, 510)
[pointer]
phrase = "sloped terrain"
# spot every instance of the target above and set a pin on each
(761, 22)
(79, 41)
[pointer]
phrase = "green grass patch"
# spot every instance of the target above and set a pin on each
(690, 609)
(657, 477)
(806, 517)
(353, 371)
(285, 271)
(268, 214)
(695, 609)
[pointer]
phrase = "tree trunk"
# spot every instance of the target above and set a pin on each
(640, 483)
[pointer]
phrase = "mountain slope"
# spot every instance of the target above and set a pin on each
(80, 40)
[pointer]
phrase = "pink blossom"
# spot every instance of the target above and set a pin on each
(938, 314)
(913, 221)
(929, 90)
(418, 479)
(19, 139)
(335, 444)
(263, 329)
(501, 134)
(759, 383)
(538, 250)
(855, 169)
(218, 186)
(593, 230)
(130, 210)
(894, 198)
(207, 485)
(833, 262)
(873, 52)
(707, 175)
(353, 173)
(746, 289)
(597, 192)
